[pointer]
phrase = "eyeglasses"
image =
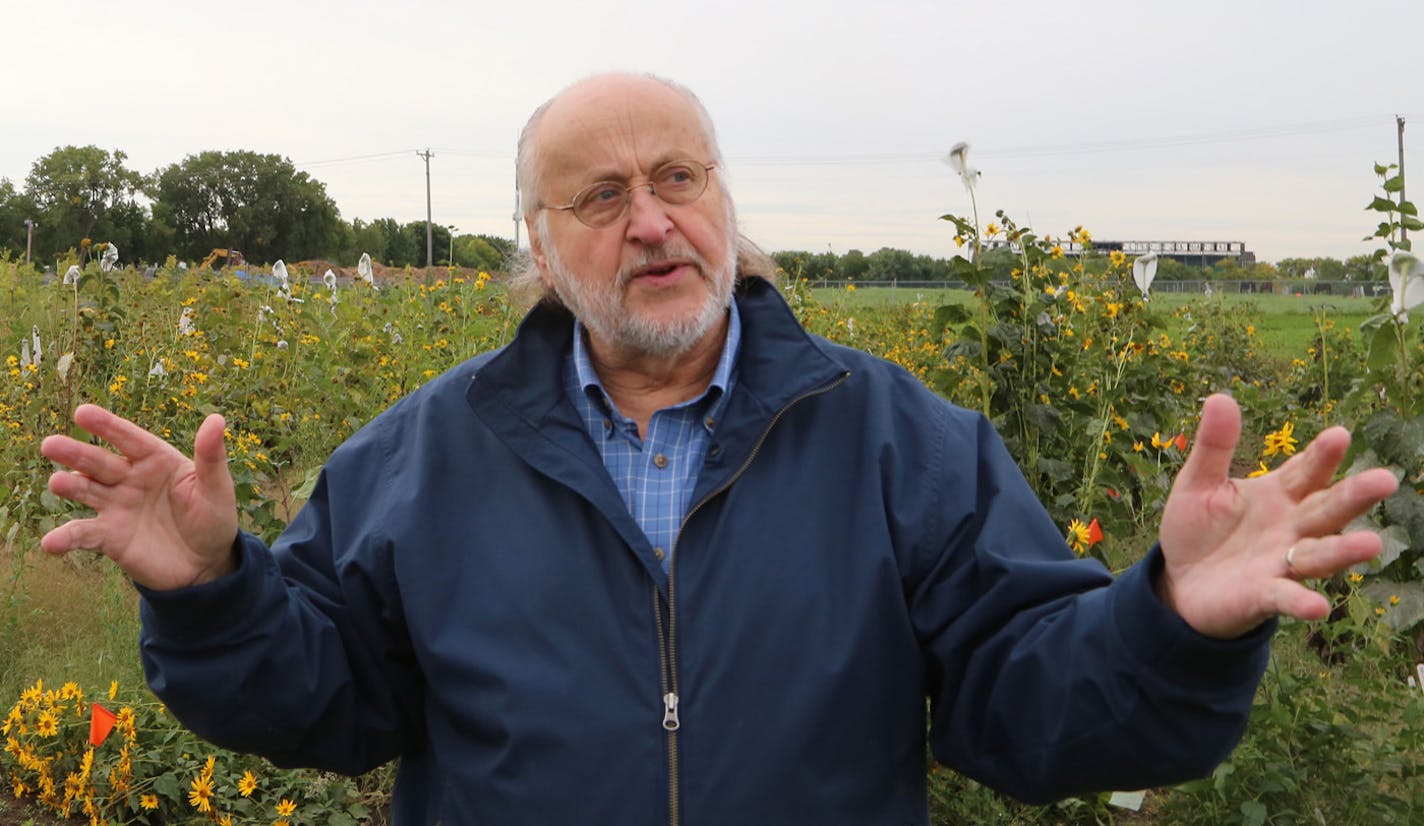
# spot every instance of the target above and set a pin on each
(600, 204)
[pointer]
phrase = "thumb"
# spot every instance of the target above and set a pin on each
(210, 454)
(1209, 463)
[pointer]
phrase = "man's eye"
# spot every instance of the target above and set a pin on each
(602, 194)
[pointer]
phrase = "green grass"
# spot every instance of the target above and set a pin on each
(1287, 323)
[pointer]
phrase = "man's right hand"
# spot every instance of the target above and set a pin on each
(167, 521)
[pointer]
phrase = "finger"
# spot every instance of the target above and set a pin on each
(80, 488)
(77, 534)
(97, 463)
(1330, 510)
(1312, 468)
(210, 455)
(1328, 555)
(1209, 462)
(1289, 598)
(131, 440)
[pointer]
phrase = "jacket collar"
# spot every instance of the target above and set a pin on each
(519, 396)
(778, 361)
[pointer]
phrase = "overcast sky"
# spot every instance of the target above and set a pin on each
(1210, 120)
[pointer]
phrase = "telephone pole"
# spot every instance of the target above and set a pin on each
(429, 227)
(1403, 231)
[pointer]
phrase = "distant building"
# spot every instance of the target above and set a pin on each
(1194, 253)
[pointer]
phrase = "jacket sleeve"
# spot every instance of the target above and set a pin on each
(1047, 676)
(301, 655)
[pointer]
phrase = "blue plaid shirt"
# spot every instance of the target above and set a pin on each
(655, 474)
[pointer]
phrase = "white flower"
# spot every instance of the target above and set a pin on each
(35, 339)
(282, 344)
(110, 257)
(71, 275)
(1406, 283)
(157, 371)
(1144, 269)
(363, 269)
(958, 160)
(185, 322)
(329, 279)
(390, 329)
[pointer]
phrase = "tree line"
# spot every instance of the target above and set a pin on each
(260, 205)
(887, 264)
(264, 207)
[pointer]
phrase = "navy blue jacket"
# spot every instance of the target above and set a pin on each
(465, 590)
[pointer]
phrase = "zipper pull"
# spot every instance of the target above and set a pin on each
(670, 721)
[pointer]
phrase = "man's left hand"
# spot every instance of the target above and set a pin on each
(1227, 543)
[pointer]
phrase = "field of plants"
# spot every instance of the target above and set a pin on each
(1093, 384)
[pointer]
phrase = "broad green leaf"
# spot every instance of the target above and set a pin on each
(1406, 509)
(1409, 222)
(947, 315)
(1408, 208)
(1382, 205)
(167, 785)
(304, 490)
(1393, 184)
(1253, 813)
(1054, 469)
(1383, 347)
(1403, 602)
(1381, 169)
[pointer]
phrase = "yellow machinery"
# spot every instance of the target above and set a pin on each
(219, 258)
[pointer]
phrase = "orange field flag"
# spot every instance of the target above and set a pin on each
(101, 722)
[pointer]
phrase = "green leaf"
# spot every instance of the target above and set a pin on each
(1383, 346)
(1411, 223)
(949, 315)
(1403, 602)
(304, 490)
(1381, 169)
(167, 786)
(1394, 184)
(1381, 205)
(1408, 208)
(1054, 469)
(1406, 509)
(1253, 813)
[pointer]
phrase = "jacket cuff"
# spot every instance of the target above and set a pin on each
(213, 610)
(1158, 638)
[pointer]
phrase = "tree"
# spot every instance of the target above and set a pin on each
(258, 204)
(83, 192)
(13, 213)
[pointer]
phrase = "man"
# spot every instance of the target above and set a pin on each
(679, 562)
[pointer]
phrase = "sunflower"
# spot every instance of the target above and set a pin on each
(247, 785)
(200, 796)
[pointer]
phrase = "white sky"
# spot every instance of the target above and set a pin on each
(1209, 120)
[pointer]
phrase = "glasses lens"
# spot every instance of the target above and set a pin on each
(680, 182)
(600, 204)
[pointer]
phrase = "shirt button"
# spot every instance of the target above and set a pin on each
(710, 421)
(658, 552)
(660, 460)
(607, 424)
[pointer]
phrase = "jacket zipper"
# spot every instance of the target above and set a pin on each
(667, 642)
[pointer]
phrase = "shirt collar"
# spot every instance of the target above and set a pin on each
(721, 378)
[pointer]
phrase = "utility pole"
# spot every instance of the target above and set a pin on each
(1399, 122)
(516, 218)
(429, 227)
(29, 237)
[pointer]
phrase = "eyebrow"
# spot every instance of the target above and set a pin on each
(611, 174)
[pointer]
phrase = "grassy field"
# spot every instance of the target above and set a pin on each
(1287, 323)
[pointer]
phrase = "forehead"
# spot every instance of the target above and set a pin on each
(618, 129)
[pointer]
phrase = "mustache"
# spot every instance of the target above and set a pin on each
(651, 255)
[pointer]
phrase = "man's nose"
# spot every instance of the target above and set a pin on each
(648, 219)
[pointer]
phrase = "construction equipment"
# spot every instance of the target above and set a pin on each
(219, 259)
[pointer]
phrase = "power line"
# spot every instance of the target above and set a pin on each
(1087, 147)
(355, 158)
